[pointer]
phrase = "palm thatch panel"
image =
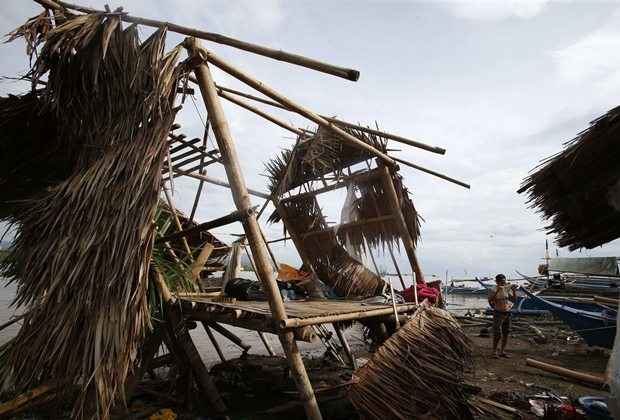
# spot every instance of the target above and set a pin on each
(331, 262)
(578, 189)
(83, 245)
(316, 155)
(417, 373)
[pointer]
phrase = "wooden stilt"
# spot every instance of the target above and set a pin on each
(266, 343)
(405, 235)
(216, 345)
(241, 198)
(184, 347)
(345, 345)
(229, 335)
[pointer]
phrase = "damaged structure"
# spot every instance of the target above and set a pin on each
(107, 269)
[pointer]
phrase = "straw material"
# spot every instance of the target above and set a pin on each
(418, 371)
(578, 190)
(83, 246)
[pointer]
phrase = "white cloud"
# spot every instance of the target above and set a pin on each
(595, 57)
(491, 10)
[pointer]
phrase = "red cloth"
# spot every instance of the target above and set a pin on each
(425, 291)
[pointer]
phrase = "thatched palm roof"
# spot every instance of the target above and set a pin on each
(84, 234)
(578, 190)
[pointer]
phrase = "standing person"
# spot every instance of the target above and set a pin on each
(501, 299)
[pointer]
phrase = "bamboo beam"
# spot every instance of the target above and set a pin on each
(9, 408)
(279, 55)
(242, 201)
(200, 262)
(356, 177)
(349, 225)
(216, 345)
(235, 216)
(201, 167)
(304, 322)
(390, 136)
(431, 172)
(345, 346)
(566, 373)
(184, 144)
(210, 180)
(177, 222)
(229, 335)
(405, 235)
(266, 343)
(312, 116)
(258, 112)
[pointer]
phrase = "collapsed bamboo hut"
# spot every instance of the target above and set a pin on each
(107, 269)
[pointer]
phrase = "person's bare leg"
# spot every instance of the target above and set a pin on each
(496, 338)
(505, 334)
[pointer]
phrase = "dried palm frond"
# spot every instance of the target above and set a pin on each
(83, 246)
(578, 189)
(417, 371)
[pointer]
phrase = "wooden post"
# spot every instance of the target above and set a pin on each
(405, 235)
(266, 343)
(345, 346)
(241, 198)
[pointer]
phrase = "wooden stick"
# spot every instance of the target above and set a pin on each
(325, 319)
(235, 216)
(241, 198)
(606, 300)
(202, 172)
(400, 276)
(221, 183)
(349, 225)
(12, 407)
(279, 55)
(345, 346)
(257, 111)
(405, 235)
(214, 342)
(566, 373)
(177, 222)
(395, 137)
(266, 343)
(273, 241)
(312, 116)
(231, 336)
(12, 321)
(397, 321)
(431, 172)
(200, 262)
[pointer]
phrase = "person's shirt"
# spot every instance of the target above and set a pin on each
(499, 297)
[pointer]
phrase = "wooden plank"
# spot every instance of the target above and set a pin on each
(304, 322)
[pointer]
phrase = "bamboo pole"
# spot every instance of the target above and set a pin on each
(396, 320)
(431, 172)
(566, 373)
(10, 408)
(202, 172)
(279, 55)
(400, 276)
(200, 262)
(266, 343)
(345, 346)
(312, 116)
(395, 137)
(230, 335)
(177, 222)
(216, 345)
(326, 319)
(210, 180)
(405, 235)
(258, 112)
(241, 198)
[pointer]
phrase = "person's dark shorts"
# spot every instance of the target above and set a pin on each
(501, 323)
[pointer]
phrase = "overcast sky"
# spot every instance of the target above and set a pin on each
(501, 85)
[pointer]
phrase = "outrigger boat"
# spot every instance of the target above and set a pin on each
(597, 328)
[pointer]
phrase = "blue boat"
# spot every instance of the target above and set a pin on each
(596, 328)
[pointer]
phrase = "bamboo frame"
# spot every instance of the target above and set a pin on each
(312, 116)
(242, 201)
(352, 316)
(345, 346)
(279, 55)
(395, 137)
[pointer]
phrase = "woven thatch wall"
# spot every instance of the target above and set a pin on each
(83, 245)
(578, 190)
(334, 266)
(316, 155)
